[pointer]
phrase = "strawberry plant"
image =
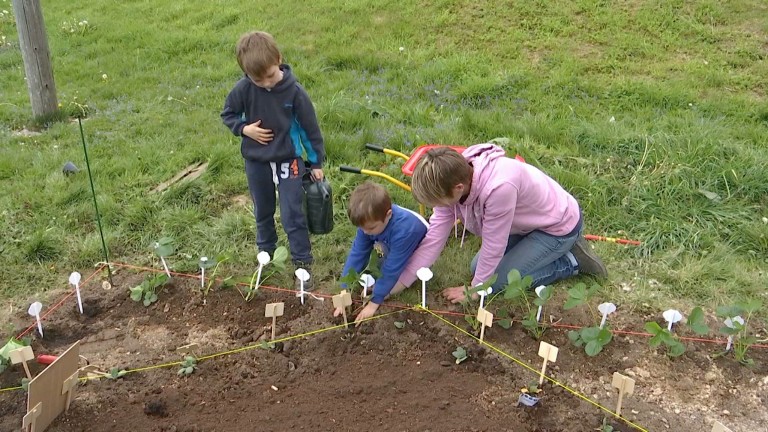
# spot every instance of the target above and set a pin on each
(277, 265)
(518, 290)
(736, 327)
(188, 366)
(5, 356)
(148, 290)
(664, 336)
(460, 354)
(593, 339)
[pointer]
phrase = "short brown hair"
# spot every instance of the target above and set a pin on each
(369, 202)
(256, 52)
(436, 174)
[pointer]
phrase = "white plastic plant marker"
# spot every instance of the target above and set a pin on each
(549, 352)
(22, 355)
(672, 316)
(539, 289)
(263, 259)
(424, 274)
(483, 294)
(341, 301)
(719, 427)
(485, 319)
(74, 279)
(34, 310)
(203, 260)
(274, 310)
(606, 309)
(366, 281)
(302, 275)
(625, 385)
(729, 322)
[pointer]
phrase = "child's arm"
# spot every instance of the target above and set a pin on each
(233, 114)
(359, 254)
(309, 130)
(440, 225)
(497, 222)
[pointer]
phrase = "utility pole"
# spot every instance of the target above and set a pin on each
(37, 58)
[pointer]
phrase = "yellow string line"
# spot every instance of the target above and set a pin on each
(537, 372)
(234, 351)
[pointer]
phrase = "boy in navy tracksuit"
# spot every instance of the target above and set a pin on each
(274, 116)
(398, 231)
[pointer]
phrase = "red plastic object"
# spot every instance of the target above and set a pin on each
(46, 359)
(410, 164)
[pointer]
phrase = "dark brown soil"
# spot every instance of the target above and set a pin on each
(376, 377)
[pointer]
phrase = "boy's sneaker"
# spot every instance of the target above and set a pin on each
(309, 284)
(589, 262)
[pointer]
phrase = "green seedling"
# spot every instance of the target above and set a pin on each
(5, 356)
(506, 320)
(115, 373)
(206, 263)
(267, 345)
(736, 327)
(661, 336)
(605, 427)
(697, 322)
(25, 384)
(188, 366)
(164, 248)
(532, 388)
(460, 354)
(276, 264)
(470, 315)
(593, 339)
(518, 290)
(148, 290)
(579, 294)
(351, 281)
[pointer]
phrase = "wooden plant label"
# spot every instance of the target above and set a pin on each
(485, 319)
(190, 348)
(720, 428)
(274, 310)
(549, 352)
(29, 421)
(625, 385)
(22, 355)
(341, 301)
(68, 388)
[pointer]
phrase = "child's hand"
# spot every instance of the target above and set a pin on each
(256, 133)
(317, 174)
(456, 294)
(368, 311)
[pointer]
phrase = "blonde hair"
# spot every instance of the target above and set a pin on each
(436, 174)
(369, 202)
(256, 52)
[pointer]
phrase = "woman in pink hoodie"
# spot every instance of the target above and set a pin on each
(526, 220)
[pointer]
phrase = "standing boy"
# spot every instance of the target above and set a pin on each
(398, 232)
(274, 116)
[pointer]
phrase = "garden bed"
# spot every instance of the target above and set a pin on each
(375, 377)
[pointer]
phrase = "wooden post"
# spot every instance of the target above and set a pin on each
(549, 352)
(485, 319)
(274, 310)
(341, 301)
(22, 355)
(33, 42)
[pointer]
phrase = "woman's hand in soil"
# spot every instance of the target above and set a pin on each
(368, 311)
(456, 294)
(256, 133)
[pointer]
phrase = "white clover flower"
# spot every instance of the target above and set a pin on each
(402, 49)
(104, 77)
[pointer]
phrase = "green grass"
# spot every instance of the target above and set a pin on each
(653, 114)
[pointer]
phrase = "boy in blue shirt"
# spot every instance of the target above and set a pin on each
(274, 116)
(396, 230)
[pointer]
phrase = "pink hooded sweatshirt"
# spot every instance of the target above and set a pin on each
(506, 197)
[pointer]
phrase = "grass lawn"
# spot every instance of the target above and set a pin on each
(652, 113)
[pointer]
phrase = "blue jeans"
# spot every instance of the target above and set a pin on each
(544, 257)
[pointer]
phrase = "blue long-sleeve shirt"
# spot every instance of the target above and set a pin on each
(399, 239)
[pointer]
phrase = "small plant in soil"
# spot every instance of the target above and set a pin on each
(349, 281)
(276, 265)
(470, 309)
(532, 388)
(5, 356)
(518, 290)
(188, 366)
(592, 339)
(115, 373)
(663, 336)
(214, 263)
(164, 248)
(736, 327)
(605, 426)
(148, 290)
(460, 354)
(25, 384)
